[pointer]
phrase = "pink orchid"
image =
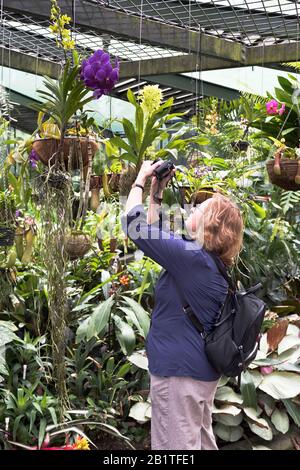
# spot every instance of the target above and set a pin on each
(272, 107)
(266, 370)
(281, 110)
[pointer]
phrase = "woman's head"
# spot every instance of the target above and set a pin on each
(218, 226)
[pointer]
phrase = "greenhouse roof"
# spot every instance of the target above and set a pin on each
(156, 41)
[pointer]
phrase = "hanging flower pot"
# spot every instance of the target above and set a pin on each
(284, 172)
(47, 149)
(7, 236)
(96, 182)
(77, 245)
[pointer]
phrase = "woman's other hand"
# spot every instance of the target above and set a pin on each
(146, 170)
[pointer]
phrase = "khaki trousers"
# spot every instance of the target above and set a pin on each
(181, 413)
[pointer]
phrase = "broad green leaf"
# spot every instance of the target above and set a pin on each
(141, 314)
(263, 432)
(260, 211)
(131, 97)
(293, 410)
(257, 377)
(42, 432)
(227, 395)
(228, 433)
(124, 369)
(139, 360)
(227, 409)
(132, 317)
(95, 324)
(288, 342)
(281, 385)
(248, 390)
(253, 415)
(280, 420)
(141, 411)
(228, 419)
(125, 335)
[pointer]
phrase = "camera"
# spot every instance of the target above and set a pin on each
(163, 170)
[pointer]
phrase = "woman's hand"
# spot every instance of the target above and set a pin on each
(146, 171)
(157, 187)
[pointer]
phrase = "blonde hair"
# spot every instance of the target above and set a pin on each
(222, 228)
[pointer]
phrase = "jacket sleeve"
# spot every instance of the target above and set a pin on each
(155, 240)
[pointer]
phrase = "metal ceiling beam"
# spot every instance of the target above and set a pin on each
(178, 64)
(174, 64)
(194, 86)
(28, 63)
(105, 20)
(274, 54)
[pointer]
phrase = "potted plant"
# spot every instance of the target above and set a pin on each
(152, 135)
(77, 244)
(57, 145)
(280, 122)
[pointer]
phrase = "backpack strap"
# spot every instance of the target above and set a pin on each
(189, 312)
(187, 308)
(222, 270)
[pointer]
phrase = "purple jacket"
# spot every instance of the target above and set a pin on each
(174, 346)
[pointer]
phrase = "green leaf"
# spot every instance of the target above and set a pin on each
(228, 433)
(130, 134)
(280, 420)
(281, 385)
(139, 360)
(141, 315)
(95, 324)
(125, 335)
(248, 390)
(293, 410)
(228, 419)
(118, 142)
(124, 369)
(131, 98)
(227, 395)
(42, 431)
(263, 432)
(16, 425)
(286, 85)
(260, 211)
(141, 411)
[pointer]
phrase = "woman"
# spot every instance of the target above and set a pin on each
(182, 382)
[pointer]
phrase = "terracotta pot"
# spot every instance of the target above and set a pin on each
(7, 236)
(77, 245)
(46, 148)
(95, 199)
(289, 170)
(95, 182)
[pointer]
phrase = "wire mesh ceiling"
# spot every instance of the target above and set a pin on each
(251, 22)
(33, 37)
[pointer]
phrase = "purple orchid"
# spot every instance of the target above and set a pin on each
(98, 74)
(33, 158)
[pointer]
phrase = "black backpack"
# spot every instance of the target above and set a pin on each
(233, 342)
